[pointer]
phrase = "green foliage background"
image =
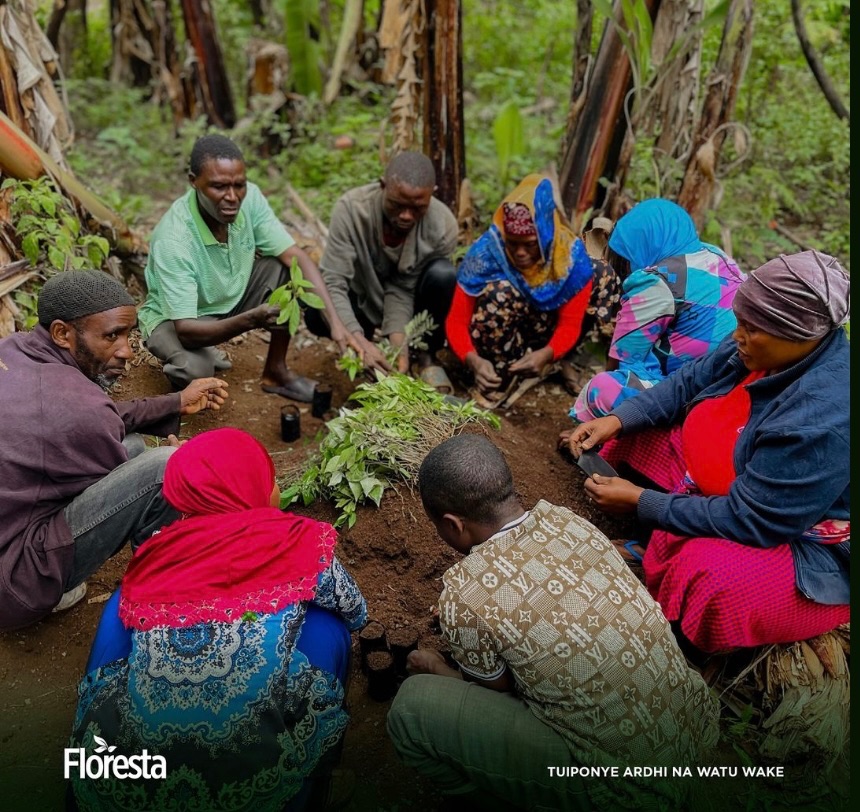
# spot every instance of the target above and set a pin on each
(518, 54)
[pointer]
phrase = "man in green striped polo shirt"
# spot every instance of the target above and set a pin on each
(215, 257)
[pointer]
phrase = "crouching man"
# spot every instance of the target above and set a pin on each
(565, 661)
(75, 481)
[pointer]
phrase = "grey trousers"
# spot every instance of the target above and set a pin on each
(126, 505)
(183, 365)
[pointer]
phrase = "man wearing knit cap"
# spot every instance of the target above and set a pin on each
(215, 258)
(75, 481)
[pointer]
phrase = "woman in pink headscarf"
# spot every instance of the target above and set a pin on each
(745, 453)
(226, 648)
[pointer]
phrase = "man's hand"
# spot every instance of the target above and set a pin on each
(532, 362)
(593, 433)
(342, 337)
(371, 356)
(263, 316)
(430, 661)
(613, 494)
(204, 393)
(399, 340)
(485, 373)
(174, 442)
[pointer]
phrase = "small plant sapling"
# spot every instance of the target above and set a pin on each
(291, 296)
(419, 326)
(49, 228)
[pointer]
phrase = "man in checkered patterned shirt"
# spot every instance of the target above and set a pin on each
(564, 658)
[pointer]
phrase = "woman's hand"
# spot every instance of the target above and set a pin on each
(612, 493)
(593, 433)
(485, 373)
(532, 362)
(204, 393)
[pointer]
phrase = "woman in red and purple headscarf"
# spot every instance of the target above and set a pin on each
(227, 646)
(527, 292)
(747, 454)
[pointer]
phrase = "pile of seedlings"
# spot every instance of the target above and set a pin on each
(380, 443)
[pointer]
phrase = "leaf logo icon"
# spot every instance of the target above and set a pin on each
(103, 745)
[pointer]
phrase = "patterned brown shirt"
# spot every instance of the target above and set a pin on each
(590, 650)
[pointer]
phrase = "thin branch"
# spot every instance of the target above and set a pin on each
(815, 65)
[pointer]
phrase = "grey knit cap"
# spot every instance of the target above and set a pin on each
(71, 295)
(797, 297)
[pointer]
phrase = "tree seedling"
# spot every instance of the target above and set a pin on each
(419, 326)
(291, 296)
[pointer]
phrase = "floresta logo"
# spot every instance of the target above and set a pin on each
(103, 764)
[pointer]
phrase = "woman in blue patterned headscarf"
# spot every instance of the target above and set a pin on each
(676, 303)
(527, 291)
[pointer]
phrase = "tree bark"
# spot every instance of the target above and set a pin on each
(28, 95)
(211, 74)
(58, 14)
(581, 63)
(723, 82)
(595, 143)
(815, 65)
(145, 53)
(72, 33)
(444, 140)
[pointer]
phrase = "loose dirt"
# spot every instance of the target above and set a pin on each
(393, 552)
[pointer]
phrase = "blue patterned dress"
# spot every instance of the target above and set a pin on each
(240, 712)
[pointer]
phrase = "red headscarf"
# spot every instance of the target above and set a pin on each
(231, 552)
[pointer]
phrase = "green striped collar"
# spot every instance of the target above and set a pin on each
(205, 232)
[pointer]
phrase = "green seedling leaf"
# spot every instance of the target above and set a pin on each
(295, 318)
(312, 300)
(56, 258)
(296, 277)
(30, 247)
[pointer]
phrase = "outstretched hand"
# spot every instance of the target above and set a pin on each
(264, 316)
(343, 337)
(204, 393)
(486, 377)
(371, 356)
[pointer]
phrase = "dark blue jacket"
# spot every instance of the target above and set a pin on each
(791, 459)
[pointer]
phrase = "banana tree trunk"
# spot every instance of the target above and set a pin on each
(444, 140)
(598, 130)
(211, 73)
(697, 188)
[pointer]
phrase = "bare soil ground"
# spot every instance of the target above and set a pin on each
(392, 551)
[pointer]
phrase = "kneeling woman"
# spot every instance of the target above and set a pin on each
(527, 291)
(226, 648)
(752, 441)
(676, 304)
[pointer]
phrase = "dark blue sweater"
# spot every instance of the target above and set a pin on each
(791, 459)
